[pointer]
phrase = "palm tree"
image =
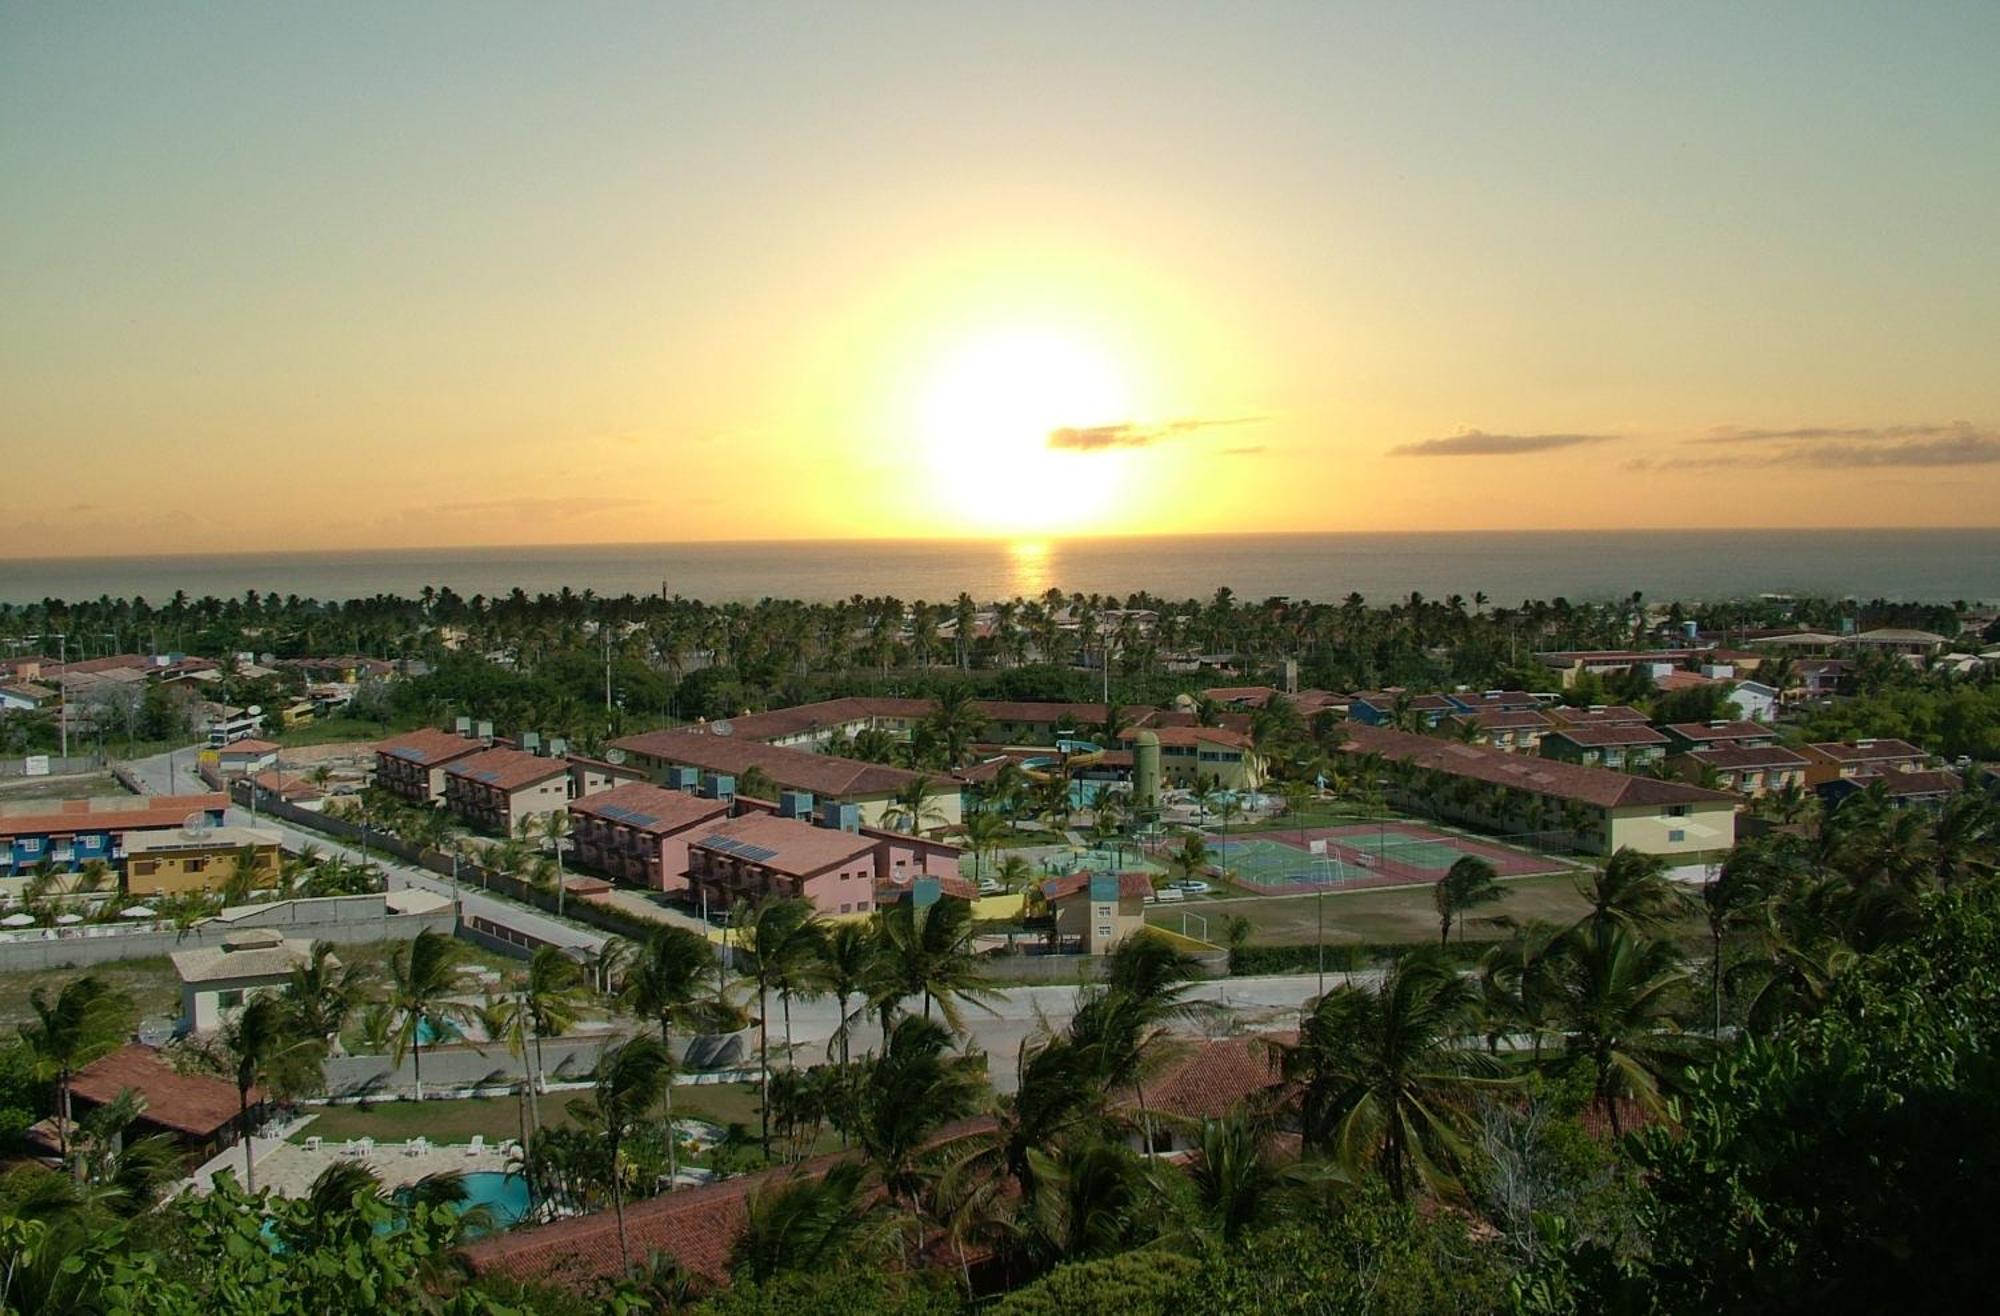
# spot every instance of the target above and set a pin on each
(802, 1223)
(779, 936)
(556, 826)
(1467, 884)
(1613, 997)
(983, 832)
(914, 1088)
(323, 992)
(1058, 1092)
(930, 953)
(667, 983)
(1382, 1075)
(756, 783)
(1122, 1021)
(423, 973)
(911, 808)
(630, 1080)
(1633, 888)
(1089, 1203)
(504, 1019)
(1014, 872)
(87, 1018)
(955, 722)
(553, 994)
(847, 963)
(268, 1049)
(1739, 886)
(1239, 1185)
(1192, 859)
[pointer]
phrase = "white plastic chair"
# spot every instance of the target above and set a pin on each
(477, 1146)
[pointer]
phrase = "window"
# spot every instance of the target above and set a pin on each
(1104, 930)
(1676, 835)
(847, 909)
(229, 1000)
(1677, 811)
(861, 907)
(29, 845)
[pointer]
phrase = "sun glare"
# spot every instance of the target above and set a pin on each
(984, 425)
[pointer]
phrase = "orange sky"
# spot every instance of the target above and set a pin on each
(479, 274)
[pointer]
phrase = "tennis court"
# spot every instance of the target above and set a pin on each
(1362, 855)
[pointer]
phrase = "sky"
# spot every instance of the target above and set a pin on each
(375, 275)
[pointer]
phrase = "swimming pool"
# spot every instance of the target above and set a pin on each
(431, 1032)
(504, 1194)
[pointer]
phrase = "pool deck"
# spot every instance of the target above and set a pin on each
(289, 1168)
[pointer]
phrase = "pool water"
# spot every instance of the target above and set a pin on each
(431, 1032)
(505, 1195)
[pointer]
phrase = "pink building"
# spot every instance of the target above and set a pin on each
(639, 832)
(832, 863)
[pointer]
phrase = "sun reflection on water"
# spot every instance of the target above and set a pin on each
(1027, 567)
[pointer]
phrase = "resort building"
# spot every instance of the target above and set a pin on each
(197, 1112)
(1597, 810)
(1753, 770)
(1831, 761)
(1518, 731)
(1630, 747)
(496, 788)
(217, 980)
(1492, 701)
(1717, 735)
(174, 863)
(76, 832)
(1193, 754)
(1922, 787)
(638, 833)
(412, 766)
(831, 860)
(872, 787)
(1095, 911)
(246, 755)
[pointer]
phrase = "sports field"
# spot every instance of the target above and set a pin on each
(1362, 855)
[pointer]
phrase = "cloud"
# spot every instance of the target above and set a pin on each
(1478, 443)
(1812, 433)
(1131, 434)
(1850, 448)
(1249, 451)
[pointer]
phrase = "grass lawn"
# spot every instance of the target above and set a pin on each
(152, 983)
(29, 791)
(1392, 914)
(334, 730)
(500, 1117)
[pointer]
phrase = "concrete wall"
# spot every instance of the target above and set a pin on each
(341, 919)
(1704, 827)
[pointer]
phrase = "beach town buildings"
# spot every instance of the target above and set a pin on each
(871, 787)
(1094, 912)
(177, 863)
(1831, 761)
(75, 832)
(1597, 810)
(825, 855)
(1752, 770)
(1628, 747)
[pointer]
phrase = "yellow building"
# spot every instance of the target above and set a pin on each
(1095, 911)
(175, 863)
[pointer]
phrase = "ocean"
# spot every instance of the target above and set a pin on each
(1508, 567)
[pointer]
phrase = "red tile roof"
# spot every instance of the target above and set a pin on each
(250, 746)
(1186, 736)
(652, 810)
(1623, 733)
(195, 1104)
(1865, 751)
(1130, 885)
(158, 811)
(1599, 715)
(506, 769)
(428, 746)
(1504, 719)
(784, 845)
(1735, 757)
(826, 775)
(1541, 776)
(1209, 1079)
(1718, 732)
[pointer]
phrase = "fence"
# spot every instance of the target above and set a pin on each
(340, 919)
(56, 765)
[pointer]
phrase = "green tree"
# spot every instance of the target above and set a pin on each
(1469, 883)
(268, 1049)
(928, 953)
(423, 976)
(83, 1021)
(1613, 996)
(667, 985)
(631, 1080)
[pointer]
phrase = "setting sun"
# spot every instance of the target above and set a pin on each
(984, 423)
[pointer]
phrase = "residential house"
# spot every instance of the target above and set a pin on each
(1600, 811)
(198, 1112)
(176, 863)
(1753, 770)
(1830, 761)
(1596, 715)
(1714, 735)
(496, 788)
(1492, 701)
(25, 697)
(1094, 912)
(1379, 708)
(412, 765)
(1898, 640)
(1755, 701)
(1630, 747)
(246, 755)
(1921, 787)
(217, 980)
(1518, 731)
(1204, 1080)
(76, 832)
